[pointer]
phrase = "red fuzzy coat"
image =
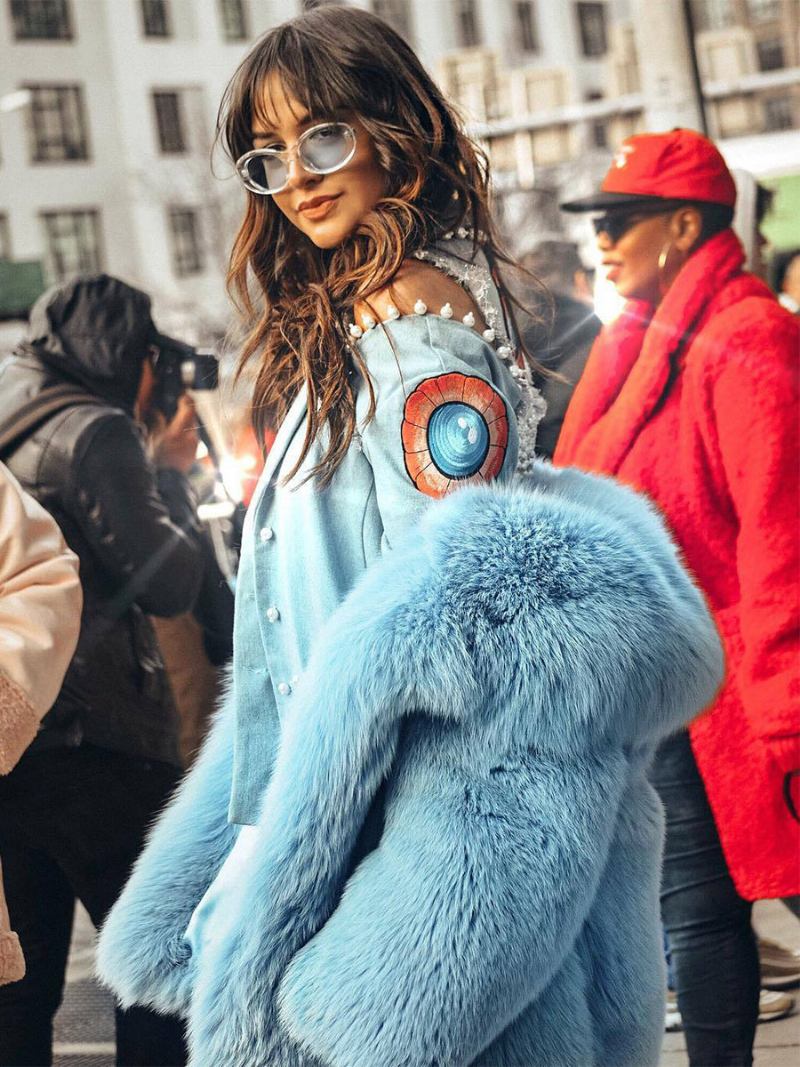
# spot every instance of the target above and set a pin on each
(696, 404)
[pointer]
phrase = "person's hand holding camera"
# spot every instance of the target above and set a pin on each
(174, 444)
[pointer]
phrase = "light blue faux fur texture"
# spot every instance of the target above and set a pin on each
(507, 673)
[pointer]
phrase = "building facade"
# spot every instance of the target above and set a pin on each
(108, 109)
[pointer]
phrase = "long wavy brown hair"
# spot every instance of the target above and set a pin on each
(296, 297)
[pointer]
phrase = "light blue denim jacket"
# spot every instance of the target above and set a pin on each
(304, 548)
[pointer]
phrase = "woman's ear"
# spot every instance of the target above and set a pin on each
(687, 225)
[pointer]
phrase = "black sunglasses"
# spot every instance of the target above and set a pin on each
(616, 223)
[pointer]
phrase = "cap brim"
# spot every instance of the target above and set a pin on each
(602, 201)
(164, 341)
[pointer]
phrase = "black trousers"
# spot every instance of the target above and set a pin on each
(72, 822)
(711, 939)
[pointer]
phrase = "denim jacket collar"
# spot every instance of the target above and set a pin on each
(286, 432)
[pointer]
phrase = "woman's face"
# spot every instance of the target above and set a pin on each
(644, 251)
(327, 208)
(632, 261)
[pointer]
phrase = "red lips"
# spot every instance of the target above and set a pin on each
(316, 203)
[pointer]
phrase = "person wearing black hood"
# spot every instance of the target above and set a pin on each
(75, 810)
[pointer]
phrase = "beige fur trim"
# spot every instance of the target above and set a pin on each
(12, 962)
(18, 723)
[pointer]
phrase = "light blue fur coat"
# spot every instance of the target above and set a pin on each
(507, 672)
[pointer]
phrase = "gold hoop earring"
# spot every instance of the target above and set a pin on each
(663, 258)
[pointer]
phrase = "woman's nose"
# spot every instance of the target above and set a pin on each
(297, 175)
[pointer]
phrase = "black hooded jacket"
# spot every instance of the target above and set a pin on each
(133, 528)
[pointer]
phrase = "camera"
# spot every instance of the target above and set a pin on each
(179, 367)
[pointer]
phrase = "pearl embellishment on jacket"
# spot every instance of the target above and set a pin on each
(469, 319)
(355, 330)
(420, 308)
(489, 335)
(447, 311)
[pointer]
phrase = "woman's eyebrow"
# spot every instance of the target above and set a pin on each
(302, 120)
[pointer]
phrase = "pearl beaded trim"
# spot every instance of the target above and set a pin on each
(421, 308)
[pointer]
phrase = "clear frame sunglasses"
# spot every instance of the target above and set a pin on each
(323, 149)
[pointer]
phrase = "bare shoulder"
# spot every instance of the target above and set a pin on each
(418, 282)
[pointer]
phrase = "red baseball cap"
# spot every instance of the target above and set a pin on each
(679, 165)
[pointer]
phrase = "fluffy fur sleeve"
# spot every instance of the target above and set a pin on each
(338, 744)
(141, 955)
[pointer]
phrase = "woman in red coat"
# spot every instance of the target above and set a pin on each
(691, 396)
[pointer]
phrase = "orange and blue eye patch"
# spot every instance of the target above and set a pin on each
(455, 430)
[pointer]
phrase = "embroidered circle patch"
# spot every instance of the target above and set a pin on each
(455, 429)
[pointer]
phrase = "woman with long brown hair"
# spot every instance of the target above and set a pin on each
(366, 268)
(430, 809)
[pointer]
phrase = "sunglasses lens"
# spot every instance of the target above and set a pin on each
(327, 148)
(609, 225)
(267, 174)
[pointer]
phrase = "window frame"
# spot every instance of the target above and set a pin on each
(61, 14)
(778, 50)
(241, 32)
(760, 11)
(179, 145)
(93, 263)
(398, 15)
(41, 143)
(468, 24)
(156, 27)
(527, 25)
(584, 9)
(186, 261)
(713, 15)
(786, 105)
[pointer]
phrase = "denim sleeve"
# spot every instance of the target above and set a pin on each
(444, 415)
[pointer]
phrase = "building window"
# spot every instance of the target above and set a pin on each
(396, 13)
(73, 242)
(525, 14)
(467, 31)
(592, 28)
(169, 122)
(187, 251)
(5, 237)
(155, 18)
(770, 54)
(599, 134)
(41, 20)
(57, 124)
(778, 113)
(713, 14)
(763, 10)
(234, 20)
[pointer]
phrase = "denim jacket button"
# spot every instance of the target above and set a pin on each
(266, 533)
(273, 614)
(284, 689)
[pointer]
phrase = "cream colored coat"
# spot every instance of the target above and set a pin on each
(40, 615)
